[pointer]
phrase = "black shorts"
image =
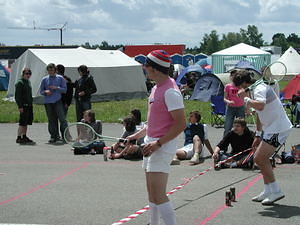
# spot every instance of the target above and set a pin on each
(26, 117)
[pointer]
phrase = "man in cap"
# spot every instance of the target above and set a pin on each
(166, 120)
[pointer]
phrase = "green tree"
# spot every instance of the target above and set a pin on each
(231, 39)
(252, 36)
(279, 39)
(194, 51)
(293, 40)
(210, 43)
(86, 45)
(105, 46)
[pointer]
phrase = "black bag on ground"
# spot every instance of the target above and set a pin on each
(85, 151)
(287, 157)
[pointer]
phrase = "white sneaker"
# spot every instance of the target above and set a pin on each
(273, 197)
(195, 159)
(260, 197)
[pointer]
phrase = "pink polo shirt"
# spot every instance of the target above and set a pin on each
(232, 91)
(164, 97)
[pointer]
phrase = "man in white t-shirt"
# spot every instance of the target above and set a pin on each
(273, 121)
(165, 121)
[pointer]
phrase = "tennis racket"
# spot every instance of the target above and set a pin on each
(274, 72)
(80, 135)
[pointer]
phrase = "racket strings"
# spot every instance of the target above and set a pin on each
(79, 135)
(275, 72)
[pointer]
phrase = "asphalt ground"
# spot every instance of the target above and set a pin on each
(47, 184)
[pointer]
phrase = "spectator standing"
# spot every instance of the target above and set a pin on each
(84, 88)
(52, 87)
(296, 109)
(23, 97)
(66, 98)
(235, 105)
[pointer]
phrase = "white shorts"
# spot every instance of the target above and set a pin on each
(276, 139)
(160, 160)
(189, 150)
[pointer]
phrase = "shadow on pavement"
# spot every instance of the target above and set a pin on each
(281, 211)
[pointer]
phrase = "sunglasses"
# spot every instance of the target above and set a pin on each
(28, 73)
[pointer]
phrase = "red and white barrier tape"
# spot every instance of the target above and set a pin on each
(179, 187)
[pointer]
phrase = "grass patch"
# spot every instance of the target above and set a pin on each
(108, 112)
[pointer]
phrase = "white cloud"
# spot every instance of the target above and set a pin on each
(143, 21)
(131, 4)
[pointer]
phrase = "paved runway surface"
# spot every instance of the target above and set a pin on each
(46, 184)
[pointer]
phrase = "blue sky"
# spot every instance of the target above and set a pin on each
(142, 21)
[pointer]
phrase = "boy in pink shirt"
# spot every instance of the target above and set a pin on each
(235, 105)
(166, 121)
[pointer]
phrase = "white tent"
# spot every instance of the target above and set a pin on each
(291, 59)
(225, 59)
(241, 49)
(117, 76)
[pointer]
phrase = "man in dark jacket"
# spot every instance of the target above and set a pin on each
(67, 97)
(84, 88)
(240, 138)
(23, 97)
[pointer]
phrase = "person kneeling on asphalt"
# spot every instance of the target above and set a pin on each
(240, 138)
(195, 137)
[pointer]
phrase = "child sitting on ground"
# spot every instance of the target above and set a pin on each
(89, 118)
(120, 150)
(195, 137)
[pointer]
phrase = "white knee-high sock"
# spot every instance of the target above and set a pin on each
(167, 213)
(267, 189)
(275, 187)
(153, 214)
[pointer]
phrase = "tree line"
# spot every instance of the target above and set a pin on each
(213, 42)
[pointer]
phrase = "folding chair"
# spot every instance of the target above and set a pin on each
(218, 109)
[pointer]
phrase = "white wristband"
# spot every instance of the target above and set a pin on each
(246, 100)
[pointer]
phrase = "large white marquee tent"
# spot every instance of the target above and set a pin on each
(225, 59)
(291, 59)
(117, 76)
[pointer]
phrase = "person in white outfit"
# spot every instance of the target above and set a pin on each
(273, 121)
